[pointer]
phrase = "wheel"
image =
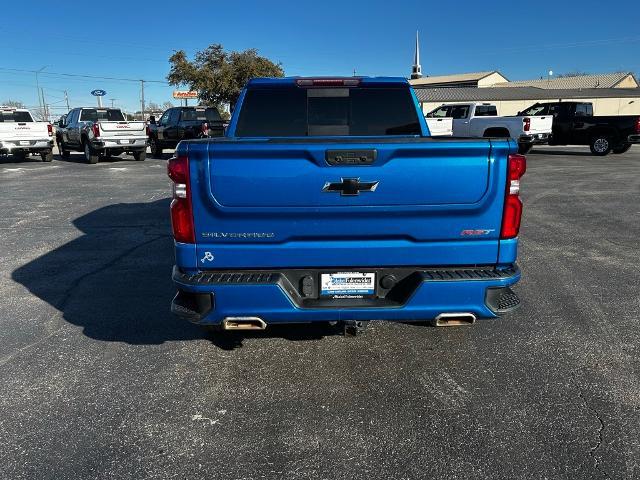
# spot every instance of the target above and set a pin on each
(524, 148)
(46, 157)
(621, 148)
(600, 145)
(90, 155)
(156, 149)
(62, 148)
(140, 155)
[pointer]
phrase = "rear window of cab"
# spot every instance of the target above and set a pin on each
(298, 112)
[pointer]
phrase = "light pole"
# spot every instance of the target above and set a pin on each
(112, 100)
(549, 75)
(38, 85)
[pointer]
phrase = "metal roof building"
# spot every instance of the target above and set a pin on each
(606, 80)
(610, 93)
(511, 100)
(445, 95)
(460, 80)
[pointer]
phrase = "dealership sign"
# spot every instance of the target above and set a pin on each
(180, 94)
(98, 93)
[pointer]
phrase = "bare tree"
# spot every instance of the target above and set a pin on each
(39, 114)
(12, 103)
(167, 105)
(153, 107)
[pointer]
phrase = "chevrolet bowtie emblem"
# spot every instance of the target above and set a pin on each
(350, 186)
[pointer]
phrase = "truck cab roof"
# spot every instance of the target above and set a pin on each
(327, 81)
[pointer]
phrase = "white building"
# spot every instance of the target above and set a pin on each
(611, 93)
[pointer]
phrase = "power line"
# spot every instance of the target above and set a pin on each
(78, 75)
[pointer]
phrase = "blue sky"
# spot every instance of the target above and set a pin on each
(134, 39)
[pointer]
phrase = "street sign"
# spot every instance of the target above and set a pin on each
(182, 94)
(98, 93)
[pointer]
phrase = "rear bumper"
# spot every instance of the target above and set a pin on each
(33, 146)
(536, 138)
(292, 296)
(125, 143)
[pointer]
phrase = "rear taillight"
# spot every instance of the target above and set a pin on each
(96, 129)
(205, 129)
(50, 129)
(148, 131)
(512, 214)
(181, 208)
(527, 124)
(638, 126)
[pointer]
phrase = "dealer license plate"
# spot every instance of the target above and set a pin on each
(348, 284)
(25, 142)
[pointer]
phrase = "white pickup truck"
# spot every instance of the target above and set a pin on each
(100, 132)
(440, 126)
(482, 120)
(20, 135)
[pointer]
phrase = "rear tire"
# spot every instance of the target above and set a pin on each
(156, 149)
(600, 145)
(90, 155)
(62, 148)
(524, 148)
(621, 148)
(140, 156)
(46, 157)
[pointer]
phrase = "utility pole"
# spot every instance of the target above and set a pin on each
(40, 102)
(112, 100)
(44, 106)
(66, 98)
(142, 98)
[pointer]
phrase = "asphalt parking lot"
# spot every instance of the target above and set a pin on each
(100, 381)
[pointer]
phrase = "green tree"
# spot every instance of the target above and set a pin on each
(219, 76)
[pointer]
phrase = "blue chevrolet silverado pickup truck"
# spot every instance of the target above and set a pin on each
(327, 200)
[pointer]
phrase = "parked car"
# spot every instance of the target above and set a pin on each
(183, 123)
(327, 201)
(100, 132)
(482, 120)
(20, 135)
(575, 124)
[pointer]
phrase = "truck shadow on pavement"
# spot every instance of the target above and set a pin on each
(114, 281)
(78, 157)
(568, 153)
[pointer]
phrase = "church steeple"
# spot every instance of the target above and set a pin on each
(416, 70)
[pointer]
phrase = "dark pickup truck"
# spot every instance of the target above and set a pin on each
(575, 124)
(183, 123)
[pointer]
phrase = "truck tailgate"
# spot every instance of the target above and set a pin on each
(541, 124)
(440, 126)
(122, 129)
(414, 201)
(23, 130)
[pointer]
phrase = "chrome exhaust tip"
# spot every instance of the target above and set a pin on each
(454, 319)
(243, 323)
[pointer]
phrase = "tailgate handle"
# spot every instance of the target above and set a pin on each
(351, 157)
